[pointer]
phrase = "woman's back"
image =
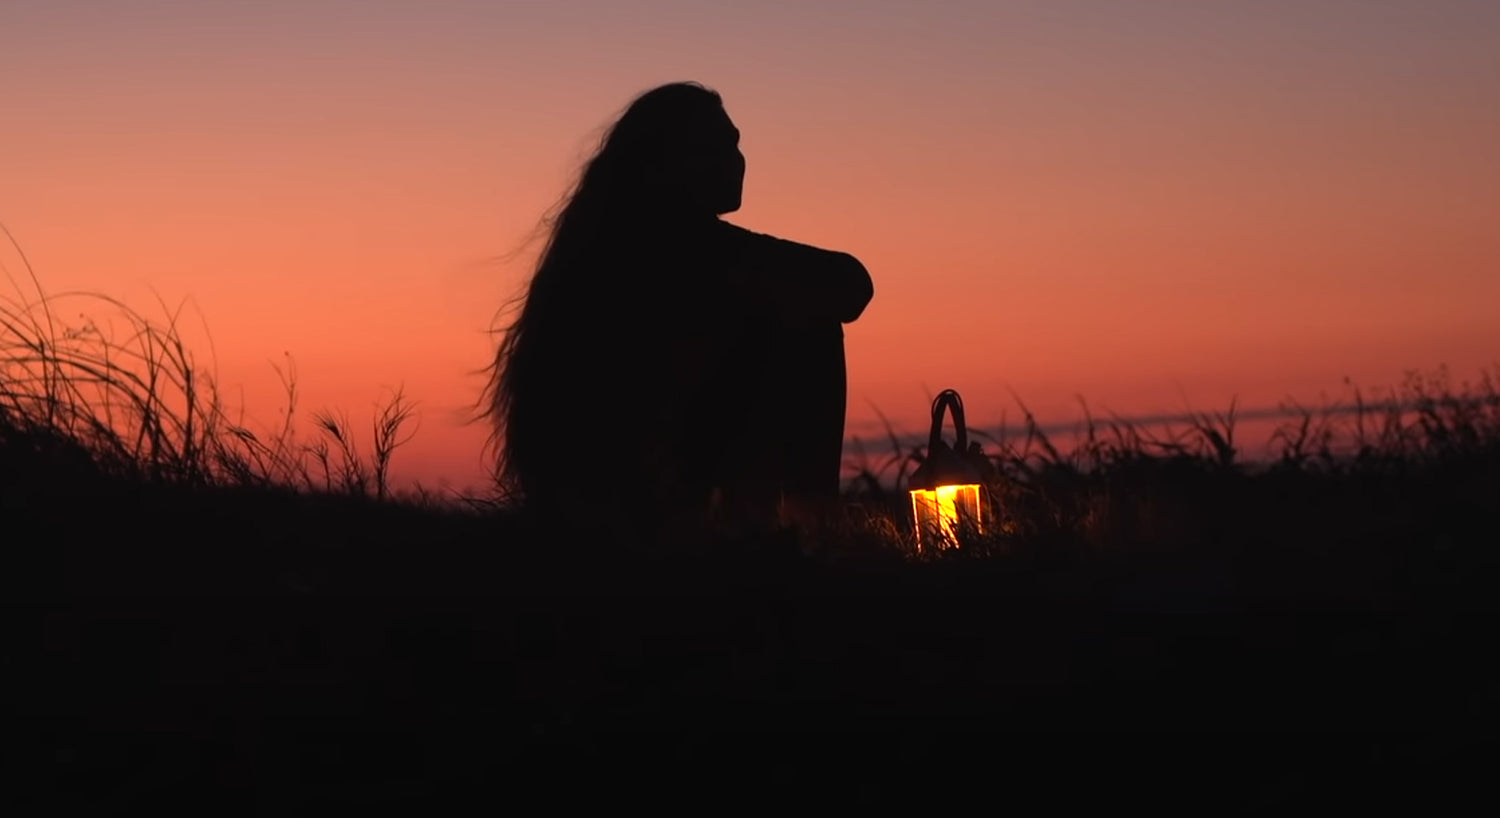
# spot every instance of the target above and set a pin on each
(634, 371)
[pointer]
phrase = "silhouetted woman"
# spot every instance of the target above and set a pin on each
(665, 362)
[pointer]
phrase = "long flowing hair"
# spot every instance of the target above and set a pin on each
(566, 351)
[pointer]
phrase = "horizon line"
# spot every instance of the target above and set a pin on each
(1078, 425)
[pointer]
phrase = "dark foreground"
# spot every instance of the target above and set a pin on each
(199, 650)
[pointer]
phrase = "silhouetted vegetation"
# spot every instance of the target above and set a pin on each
(203, 608)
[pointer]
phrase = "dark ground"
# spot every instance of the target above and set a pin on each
(197, 649)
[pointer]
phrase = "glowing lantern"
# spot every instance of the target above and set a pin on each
(945, 489)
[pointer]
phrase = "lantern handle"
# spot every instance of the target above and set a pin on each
(948, 400)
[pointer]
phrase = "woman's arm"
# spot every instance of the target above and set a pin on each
(807, 281)
(828, 282)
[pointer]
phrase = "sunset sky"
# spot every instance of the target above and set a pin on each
(1155, 205)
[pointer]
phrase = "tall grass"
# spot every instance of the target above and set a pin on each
(88, 385)
(1122, 480)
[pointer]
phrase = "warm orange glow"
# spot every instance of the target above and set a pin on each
(941, 513)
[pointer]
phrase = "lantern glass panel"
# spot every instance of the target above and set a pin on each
(942, 513)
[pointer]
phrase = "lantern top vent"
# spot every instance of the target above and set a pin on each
(962, 463)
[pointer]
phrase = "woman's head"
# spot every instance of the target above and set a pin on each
(674, 151)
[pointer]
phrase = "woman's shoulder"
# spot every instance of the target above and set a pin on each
(740, 236)
(775, 248)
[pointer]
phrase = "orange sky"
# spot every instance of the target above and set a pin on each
(1151, 204)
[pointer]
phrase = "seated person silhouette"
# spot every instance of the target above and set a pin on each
(665, 364)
